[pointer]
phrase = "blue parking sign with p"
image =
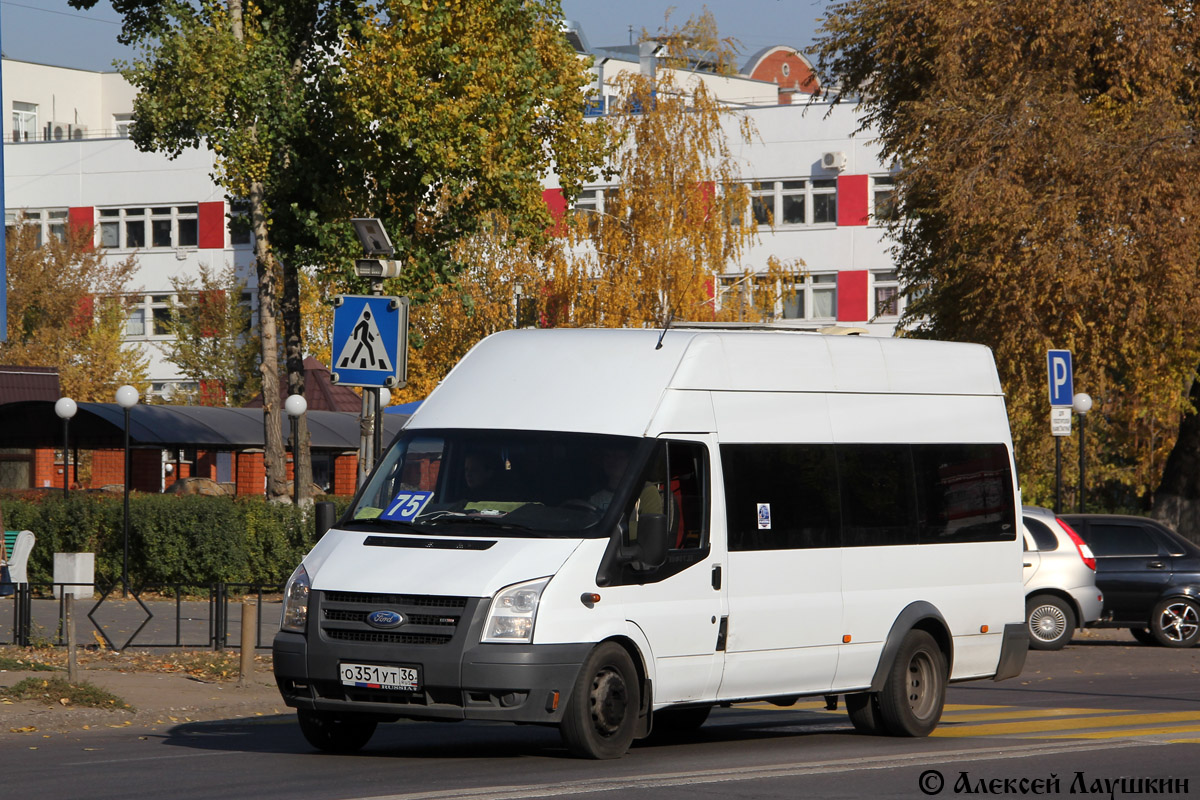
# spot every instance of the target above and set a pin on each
(1062, 392)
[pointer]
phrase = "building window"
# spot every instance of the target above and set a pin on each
(590, 202)
(883, 198)
(24, 121)
(750, 297)
(239, 228)
(814, 297)
(793, 203)
(149, 315)
(887, 293)
(121, 123)
(158, 227)
(47, 222)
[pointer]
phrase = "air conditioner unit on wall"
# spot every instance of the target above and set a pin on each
(64, 131)
(834, 161)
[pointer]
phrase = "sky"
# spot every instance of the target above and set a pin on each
(51, 32)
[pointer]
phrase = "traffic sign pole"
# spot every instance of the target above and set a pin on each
(1061, 379)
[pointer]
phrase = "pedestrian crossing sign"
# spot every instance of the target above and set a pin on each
(370, 341)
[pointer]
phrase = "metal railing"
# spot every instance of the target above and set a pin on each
(177, 615)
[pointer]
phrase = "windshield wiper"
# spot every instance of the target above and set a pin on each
(440, 518)
(375, 522)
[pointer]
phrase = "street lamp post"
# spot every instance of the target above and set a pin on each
(127, 398)
(66, 408)
(1082, 403)
(295, 405)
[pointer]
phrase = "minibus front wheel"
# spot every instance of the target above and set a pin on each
(602, 713)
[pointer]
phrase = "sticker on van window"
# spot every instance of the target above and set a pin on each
(764, 516)
(406, 506)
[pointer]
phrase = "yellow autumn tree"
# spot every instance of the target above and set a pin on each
(66, 309)
(651, 248)
(1048, 200)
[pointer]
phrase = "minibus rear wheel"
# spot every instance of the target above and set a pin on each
(602, 713)
(336, 733)
(915, 689)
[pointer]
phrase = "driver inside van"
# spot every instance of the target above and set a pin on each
(614, 462)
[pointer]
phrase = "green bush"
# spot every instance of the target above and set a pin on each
(173, 539)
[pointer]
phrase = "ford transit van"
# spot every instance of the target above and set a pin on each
(613, 531)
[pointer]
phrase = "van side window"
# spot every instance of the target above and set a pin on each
(964, 493)
(792, 496)
(878, 495)
(781, 496)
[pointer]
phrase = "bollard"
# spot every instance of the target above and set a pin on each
(69, 621)
(249, 639)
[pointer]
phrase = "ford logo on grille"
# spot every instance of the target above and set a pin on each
(385, 619)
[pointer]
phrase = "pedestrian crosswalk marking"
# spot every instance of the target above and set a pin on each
(1125, 732)
(1029, 713)
(1044, 725)
(976, 721)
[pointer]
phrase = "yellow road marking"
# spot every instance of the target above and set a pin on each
(1044, 725)
(1120, 732)
(1028, 713)
(807, 706)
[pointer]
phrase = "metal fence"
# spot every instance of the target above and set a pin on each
(174, 615)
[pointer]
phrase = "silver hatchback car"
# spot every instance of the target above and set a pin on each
(1060, 580)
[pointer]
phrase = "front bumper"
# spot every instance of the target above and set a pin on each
(460, 678)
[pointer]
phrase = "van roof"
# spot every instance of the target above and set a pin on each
(608, 380)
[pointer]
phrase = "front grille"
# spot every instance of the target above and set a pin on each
(344, 614)
(387, 600)
(386, 638)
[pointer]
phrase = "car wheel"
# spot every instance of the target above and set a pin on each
(1051, 622)
(602, 713)
(915, 689)
(335, 733)
(863, 708)
(1143, 635)
(1176, 622)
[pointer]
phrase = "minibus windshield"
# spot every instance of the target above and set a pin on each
(496, 483)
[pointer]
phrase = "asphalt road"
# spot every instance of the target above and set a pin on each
(1075, 723)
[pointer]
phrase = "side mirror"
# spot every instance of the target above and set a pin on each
(652, 540)
(324, 516)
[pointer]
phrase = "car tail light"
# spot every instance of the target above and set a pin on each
(1085, 552)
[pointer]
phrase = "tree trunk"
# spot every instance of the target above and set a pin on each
(1177, 501)
(268, 302)
(293, 348)
(276, 468)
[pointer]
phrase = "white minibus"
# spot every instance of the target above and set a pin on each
(614, 531)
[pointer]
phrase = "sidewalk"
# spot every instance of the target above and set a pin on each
(159, 700)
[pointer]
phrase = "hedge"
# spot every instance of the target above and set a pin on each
(173, 539)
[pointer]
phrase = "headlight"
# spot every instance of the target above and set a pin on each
(513, 613)
(295, 601)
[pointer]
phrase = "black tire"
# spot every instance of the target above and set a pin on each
(1051, 622)
(1175, 622)
(863, 708)
(336, 733)
(676, 722)
(602, 713)
(915, 689)
(1144, 636)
